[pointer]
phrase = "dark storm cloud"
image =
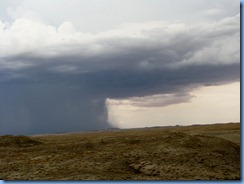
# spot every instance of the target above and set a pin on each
(42, 93)
(47, 108)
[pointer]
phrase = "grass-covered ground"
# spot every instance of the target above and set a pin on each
(199, 152)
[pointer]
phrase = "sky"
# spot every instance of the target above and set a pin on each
(86, 65)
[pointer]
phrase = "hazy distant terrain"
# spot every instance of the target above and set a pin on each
(198, 152)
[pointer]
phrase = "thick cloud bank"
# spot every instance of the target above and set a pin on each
(57, 79)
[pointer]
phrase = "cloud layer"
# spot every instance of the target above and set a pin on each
(27, 45)
(58, 78)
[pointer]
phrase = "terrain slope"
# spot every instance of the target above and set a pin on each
(198, 152)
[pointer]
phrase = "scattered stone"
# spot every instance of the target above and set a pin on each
(145, 168)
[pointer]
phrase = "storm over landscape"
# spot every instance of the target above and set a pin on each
(67, 66)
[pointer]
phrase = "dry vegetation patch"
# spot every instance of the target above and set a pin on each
(172, 153)
(17, 141)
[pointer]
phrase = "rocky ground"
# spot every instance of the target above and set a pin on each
(200, 152)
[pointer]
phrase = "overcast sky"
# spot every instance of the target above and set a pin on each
(96, 64)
